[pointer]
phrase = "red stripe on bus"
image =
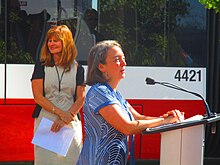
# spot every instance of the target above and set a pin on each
(16, 133)
(17, 101)
(17, 125)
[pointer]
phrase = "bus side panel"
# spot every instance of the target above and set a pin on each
(16, 133)
(150, 144)
(20, 101)
(2, 83)
(17, 128)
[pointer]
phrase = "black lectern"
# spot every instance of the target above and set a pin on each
(182, 143)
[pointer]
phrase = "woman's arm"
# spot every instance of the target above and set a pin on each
(80, 91)
(79, 102)
(114, 116)
(37, 90)
(137, 116)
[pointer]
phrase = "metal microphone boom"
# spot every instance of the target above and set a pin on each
(151, 81)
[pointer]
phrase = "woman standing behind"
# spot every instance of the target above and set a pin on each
(109, 118)
(56, 81)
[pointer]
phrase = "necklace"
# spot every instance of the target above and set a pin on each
(59, 77)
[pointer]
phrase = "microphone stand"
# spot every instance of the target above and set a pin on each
(209, 114)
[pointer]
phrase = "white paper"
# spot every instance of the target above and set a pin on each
(194, 118)
(58, 142)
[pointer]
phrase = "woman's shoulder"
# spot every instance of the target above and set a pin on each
(100, 86)
(99, 89)
(38, 71)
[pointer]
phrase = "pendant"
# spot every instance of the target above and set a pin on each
(59, 99)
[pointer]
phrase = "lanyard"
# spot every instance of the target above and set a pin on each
(131, 138)
(132, 156)
(59, 77)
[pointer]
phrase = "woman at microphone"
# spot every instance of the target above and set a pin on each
(109, 118)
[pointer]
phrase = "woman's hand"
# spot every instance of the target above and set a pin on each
(173, 116)
(66, 117)
(57, 125)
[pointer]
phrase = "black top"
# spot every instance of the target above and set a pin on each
(39, 73)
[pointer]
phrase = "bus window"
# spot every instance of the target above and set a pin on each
(152, 33)
(28, 21)
(14, 25)
(2, 50)
(156, 33)
(91, 18)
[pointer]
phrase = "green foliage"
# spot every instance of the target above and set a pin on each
(2, 52)
(16, 56)
(141, 28)
(211, 4)
(14, 53)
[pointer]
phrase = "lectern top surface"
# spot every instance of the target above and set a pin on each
(192, 121)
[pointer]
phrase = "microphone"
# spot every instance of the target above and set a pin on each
(151, 81)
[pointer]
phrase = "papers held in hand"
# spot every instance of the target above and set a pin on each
(58, 142)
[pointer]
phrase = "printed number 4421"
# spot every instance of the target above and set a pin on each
(188, 75)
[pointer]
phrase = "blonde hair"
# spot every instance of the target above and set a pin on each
(69, 51)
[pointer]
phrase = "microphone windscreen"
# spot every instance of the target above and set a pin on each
(150, 81)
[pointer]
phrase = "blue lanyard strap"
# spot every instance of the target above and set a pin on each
(132, 157)
(131, 138)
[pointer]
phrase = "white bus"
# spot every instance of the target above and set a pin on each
(163, 40)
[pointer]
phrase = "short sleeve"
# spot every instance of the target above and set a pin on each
(38, 71)
(80, 80)
(100, 97)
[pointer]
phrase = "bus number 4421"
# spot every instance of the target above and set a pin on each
(188, 75)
